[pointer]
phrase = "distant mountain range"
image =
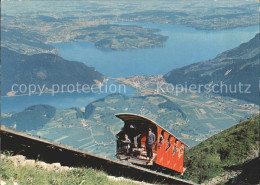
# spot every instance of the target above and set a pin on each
(229, 157)
(238, 65)
(214, 17)
(40, 69)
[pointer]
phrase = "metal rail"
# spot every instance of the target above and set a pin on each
(34, 147)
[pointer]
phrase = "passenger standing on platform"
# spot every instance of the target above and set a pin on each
(126, 144)
(149, 144)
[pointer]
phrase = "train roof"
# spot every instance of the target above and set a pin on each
(129, 116)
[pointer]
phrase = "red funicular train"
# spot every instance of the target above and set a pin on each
(168, 150)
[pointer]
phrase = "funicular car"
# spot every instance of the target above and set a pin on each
(168, 150)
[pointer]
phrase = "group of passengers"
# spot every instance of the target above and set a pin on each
(176, 148)
(127, 142)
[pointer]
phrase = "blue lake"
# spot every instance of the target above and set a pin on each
(184, 46)
(63, 100)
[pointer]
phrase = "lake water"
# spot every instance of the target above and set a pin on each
(63, 100)
(184, 46)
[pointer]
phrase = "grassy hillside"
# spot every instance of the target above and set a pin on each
(35, 175)
(224, 150)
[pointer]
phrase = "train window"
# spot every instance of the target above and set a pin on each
(175, 147)
(181, 150)
(168, 143)
(161, 139)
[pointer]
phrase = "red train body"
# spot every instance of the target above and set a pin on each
(168, 150)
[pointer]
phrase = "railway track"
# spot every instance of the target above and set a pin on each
(34, 147)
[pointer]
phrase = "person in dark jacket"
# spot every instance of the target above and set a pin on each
(149, 143)
(126, 144)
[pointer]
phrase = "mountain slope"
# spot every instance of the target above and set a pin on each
(32, 118)
(235, 66)
(232, 149)
(43, 69)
